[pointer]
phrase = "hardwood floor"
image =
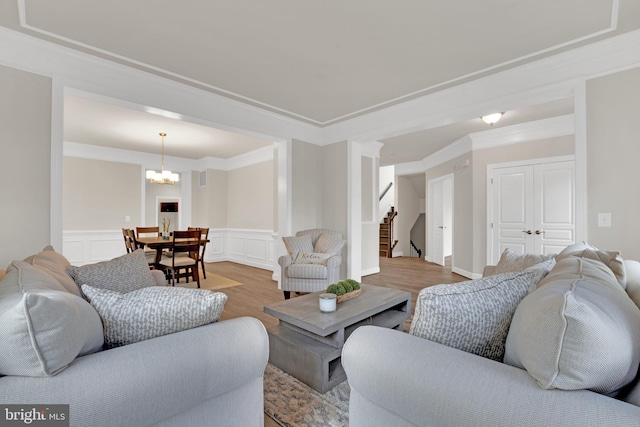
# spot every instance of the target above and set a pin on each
(258, 290)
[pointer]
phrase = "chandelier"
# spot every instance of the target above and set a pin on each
(162, 177)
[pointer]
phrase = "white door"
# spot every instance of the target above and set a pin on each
(440, 219)
(532, 209)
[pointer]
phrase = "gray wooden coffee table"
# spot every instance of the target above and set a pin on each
(308, 343)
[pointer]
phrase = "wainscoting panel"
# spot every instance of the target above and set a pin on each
(249, 247)
(89, 246)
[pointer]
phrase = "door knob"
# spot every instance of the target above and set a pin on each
(539, 231)
(526, 231)
(441, 226)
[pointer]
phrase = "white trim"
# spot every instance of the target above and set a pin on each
(354, 210)
(176, 164)
(580, 150)
(524, 132)
(57, 152)
(22, 13)
(256, 246)
(370, 271)
(516, 134)
(466, 273)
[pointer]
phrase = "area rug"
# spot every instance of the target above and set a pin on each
(292, 403)
(213, 282)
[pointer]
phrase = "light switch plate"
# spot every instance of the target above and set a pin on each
(604, 220)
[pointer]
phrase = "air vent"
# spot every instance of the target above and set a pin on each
(203, 179)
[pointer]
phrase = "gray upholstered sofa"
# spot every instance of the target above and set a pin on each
(211, 375)
(399, 379)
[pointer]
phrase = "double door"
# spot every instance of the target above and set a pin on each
(532, 208)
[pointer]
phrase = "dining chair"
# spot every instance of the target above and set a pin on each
(150, 254)
(125, 234)
(204, 236)
(148, 231)
(184, 256)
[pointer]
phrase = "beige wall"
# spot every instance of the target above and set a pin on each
(97, 195)
(613, 151)
(25, 162)
(552, 147)
(250, 197)
(306, 186)
(470, 193)
(334, 194)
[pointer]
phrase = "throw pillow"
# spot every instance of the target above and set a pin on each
(576, 332)
(22, 277)
(633, 280)
(473, 316)
(296, 244)
(311, 258)
(151, 312)
(55, 264)
(611, 259)
(43, 327)
(124, 274)
(329, 244)
(514, 261)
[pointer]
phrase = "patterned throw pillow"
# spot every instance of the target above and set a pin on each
(513, 261)
(123, 274)
(311, 258)
(329, 244)
(152, 312)
(296, 244)
(473, 316)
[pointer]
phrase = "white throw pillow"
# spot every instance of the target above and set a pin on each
(611, 259)
(55, 264)
(473, 316)
(122, 274)
(43, 327)
(576, 332)
(154, 311)
(311, 258)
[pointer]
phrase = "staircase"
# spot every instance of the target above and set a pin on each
(386, 234)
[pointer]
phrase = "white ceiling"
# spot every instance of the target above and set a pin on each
(321, 62)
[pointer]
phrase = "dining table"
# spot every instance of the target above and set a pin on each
(160, 243)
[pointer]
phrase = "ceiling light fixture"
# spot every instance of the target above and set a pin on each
(162, 177)
(491, 119)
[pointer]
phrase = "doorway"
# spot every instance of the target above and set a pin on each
(531, 207)
(440, 219)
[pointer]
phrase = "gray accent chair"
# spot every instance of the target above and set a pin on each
(295, 277)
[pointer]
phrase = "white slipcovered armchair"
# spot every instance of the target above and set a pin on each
(313, 261)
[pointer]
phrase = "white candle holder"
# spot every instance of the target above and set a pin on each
(327, 303)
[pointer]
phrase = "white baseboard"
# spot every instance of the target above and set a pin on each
(466, 273)
(396, 254)
(370, 271)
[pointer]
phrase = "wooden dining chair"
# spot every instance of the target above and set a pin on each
(204, 236)
(148, 231)
(150, 254)
(184, 256)
(125, 234)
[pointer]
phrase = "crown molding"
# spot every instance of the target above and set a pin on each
(524, 132)
(175, 164)
(81, 71)
(544, 80)
(515, 134)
